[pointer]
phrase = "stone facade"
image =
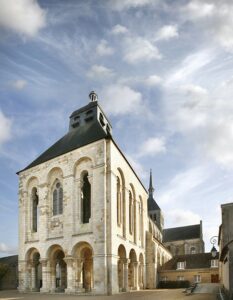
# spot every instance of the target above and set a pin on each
(184, 240)
(226, 248)
(116, 248)
(202, 268)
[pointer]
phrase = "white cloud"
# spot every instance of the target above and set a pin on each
(119, 29)
(198, 9)
(214, 18)
(24, 17)
(153, 80)
(140, 50)
(7, 249)
(104, 49)
(182, 217)
(152, 146)
(127, 4)
(120, 99)
(167, 32)
(191, 65)
(99, 72)
(19, 84)
(182, 184)
(5, 129)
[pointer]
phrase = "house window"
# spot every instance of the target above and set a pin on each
(164, 278)
(86, 199)
(57, 199)
(193, 250)
(197, 278)
(214, 263)
(181, 265)
(180, 278)
(35, 201)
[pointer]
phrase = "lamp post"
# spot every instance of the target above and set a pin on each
(213, 241)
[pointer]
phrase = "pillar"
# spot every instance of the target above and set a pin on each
(78, 284)
(45, 276)
(53, 277)
(70, 275)
(125, 272)
(33, 277)
(135, 275)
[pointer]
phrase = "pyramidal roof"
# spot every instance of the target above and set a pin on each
(87, 125)
(151, 203)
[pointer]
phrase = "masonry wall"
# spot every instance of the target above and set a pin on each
(205, 274)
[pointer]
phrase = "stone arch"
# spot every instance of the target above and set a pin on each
(31, 205)
(32, 181)
(141, 271)
(34, 269)
(121, 268)
(58, 268)
(123, 202)
(84, 162)
(82, 205)
(53, 174)
(132, 278)
(83, 256)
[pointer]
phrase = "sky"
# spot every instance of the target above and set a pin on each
(163, 72)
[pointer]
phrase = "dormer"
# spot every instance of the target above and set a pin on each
(90, 114)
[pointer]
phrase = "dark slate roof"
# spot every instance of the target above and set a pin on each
(152, 204)
(9, 260)
(182, 233)
(74, 139)
(193, 261)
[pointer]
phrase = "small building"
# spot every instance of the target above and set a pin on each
(9, 272)
(184, 240)
(226, 249)
(198, 268)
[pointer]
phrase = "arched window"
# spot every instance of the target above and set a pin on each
(35, 201)
(86, 199)
(192, 250)
(131, 213)
(57, 198)
(119, 205)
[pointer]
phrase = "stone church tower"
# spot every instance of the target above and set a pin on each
(83, 219)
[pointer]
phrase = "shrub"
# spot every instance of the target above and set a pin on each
(174, 284)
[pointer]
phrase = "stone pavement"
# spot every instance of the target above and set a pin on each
(140, 295)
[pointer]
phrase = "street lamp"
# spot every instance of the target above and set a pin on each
(213, 241)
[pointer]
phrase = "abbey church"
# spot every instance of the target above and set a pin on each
(86, 222)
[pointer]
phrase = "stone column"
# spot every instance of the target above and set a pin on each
(23, 276)
(33, 277)
(135, 273)
(53, 278)
(70, 275)
(45, 276)
(78, 273)
(125, 275)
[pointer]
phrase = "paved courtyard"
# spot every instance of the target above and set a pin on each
(145, 295)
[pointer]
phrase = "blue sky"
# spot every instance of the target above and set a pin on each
(163, 71)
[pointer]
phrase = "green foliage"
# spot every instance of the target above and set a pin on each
(174, 284)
